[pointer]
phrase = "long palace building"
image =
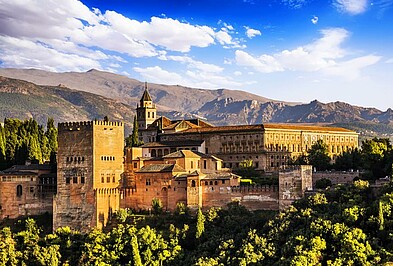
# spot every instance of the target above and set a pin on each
(269, 146)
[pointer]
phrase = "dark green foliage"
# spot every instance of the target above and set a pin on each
(377, 157)
(318, 156)
(133, 139)
(247, 169)
(323, 183)
(349, 160)
(156, 205)
(26, 140)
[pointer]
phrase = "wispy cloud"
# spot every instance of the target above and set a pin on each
(353, 7)
(325, 55)
(295, 4)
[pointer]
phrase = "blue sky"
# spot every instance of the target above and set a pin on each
(293, 50)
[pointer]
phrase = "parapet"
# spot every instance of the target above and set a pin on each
(83, 125)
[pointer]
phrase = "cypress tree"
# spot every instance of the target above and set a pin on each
(135, 134)
(200, 226)
(133, 139)
(51, 135)
(2, 144)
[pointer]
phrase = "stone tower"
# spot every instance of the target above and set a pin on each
(146, 111)
(293, 183)
(89, 168)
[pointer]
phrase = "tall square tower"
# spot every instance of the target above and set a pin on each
(89, 169)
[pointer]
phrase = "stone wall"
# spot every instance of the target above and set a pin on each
(337, 177)
(252, 197)
(27, 202)
(293, 183)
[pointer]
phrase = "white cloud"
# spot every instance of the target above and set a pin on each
(195, 64)
(17, 53)
(191, 77)
(314, 20)
(167, 32)
(264, 63)
(237, 73)
(351, 68)
(325, 55)
(251, 33)
(353, 7)
(71, 28)
(158, 75)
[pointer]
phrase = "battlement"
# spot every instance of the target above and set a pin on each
(257, 188)
(69, 126)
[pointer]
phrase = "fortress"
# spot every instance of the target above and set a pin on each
(182, 161)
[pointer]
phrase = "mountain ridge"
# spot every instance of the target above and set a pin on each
(121, 94)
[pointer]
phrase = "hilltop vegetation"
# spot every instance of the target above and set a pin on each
(26, 140)
(347, 225)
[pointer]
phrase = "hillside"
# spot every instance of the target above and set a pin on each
(22, 99)
(129, 91)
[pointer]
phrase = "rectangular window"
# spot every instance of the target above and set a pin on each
(223, 181)
(68, 179)
(135, 165)
(82, 179)
(75, 180)
(204, 164)
(108, 178)
(148, 183)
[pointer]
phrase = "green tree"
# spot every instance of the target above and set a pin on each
(377, 157)
(323, 183)
(156, 205)
(8, 253)
(200, 225)
(133, 139)
(51, 135)
(348, 160)
(318, 155)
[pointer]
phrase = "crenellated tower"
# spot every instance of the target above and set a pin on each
(89, 169)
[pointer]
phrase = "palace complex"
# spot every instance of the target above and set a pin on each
(269, 146)
(181, 161)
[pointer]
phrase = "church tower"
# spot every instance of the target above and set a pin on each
(146, 111)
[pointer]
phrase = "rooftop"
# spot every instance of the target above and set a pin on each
(161, 168)
(184, 143)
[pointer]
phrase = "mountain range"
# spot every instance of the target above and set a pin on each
(74, 96)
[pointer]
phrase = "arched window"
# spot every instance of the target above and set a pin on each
(19, 190)
(153, 153)
(193, 183)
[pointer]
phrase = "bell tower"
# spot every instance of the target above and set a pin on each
(146, 111)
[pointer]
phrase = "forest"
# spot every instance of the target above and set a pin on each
(345, 225)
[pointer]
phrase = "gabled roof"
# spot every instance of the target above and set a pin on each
(182, 154)
(160, 122)
(181, 125)
(161, 168)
